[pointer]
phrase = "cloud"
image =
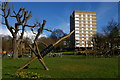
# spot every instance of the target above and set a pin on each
(29, 34)
(5, 32)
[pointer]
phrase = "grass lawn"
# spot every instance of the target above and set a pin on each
(67, 66)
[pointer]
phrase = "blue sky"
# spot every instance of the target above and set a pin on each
(58, 14)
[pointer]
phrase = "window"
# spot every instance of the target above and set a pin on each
(77, 35)
(77, 38)
(77, 42)
(90, 18)
(86, 28)
(90, 28)
(81, 15)
(76, 21)
(76, 18)
(86, 21)
(86, 45)
(76, 15)
(90, 22)
(76, 31)
(76, 25)
(91, 45)
(82, 38)
(77, 45)
(86, 38)
(83, 42)
(82, 28)
(90, 25)
(82, 45)
(82, 25)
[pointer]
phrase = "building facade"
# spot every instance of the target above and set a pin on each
(84, 24)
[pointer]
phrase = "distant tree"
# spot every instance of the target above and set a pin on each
(57, 34)
(111, 37)
(112, 32)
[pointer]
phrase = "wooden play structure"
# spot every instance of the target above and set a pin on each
(39, 55)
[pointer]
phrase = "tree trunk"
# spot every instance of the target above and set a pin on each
(20, 50)
(32, 53)
(15, 51)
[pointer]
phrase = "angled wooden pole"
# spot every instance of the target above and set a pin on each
(40, 59)
(27, 64)
(63, 38)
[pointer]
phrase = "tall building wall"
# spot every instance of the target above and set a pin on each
(84, 24)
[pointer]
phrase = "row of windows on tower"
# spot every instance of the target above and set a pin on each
(85, 15)
(84, 45)
(84, 25)
(91, 22)
(83, 32)
(77, 18)
(84, 42)
(77, 29)
(83, 35)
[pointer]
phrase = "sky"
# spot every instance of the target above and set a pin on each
(57, 14)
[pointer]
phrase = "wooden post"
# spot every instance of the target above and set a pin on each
(41, 59)
(27, 63)
(43, 64)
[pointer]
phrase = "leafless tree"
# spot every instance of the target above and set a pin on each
(21, 16)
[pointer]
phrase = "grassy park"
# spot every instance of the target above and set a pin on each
(67, 66)
(86, 54)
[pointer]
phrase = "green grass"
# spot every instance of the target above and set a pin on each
(68, 66)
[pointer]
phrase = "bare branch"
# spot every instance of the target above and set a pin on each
(33, 31)
(44, 22)
(12, 16)
(40, 30)
(35, 25)
(29, 16)
(19, 11)
(14, 12)
(48, 30)
(2, 15)
(8, 12)
(31, 26)
(24, 16)
(3, 23)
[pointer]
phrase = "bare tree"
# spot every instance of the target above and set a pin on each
(21, 16)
